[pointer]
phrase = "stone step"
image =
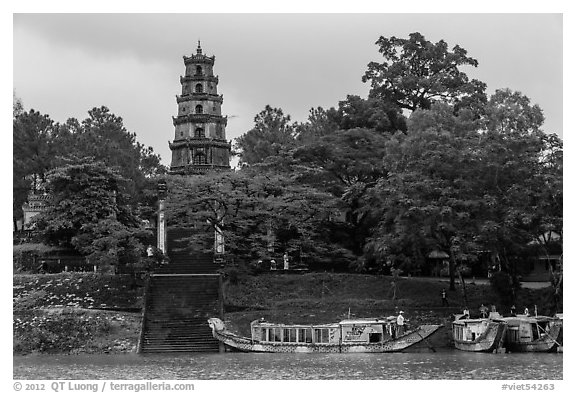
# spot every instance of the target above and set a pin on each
(177, 309)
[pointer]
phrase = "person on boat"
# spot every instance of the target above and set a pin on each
(272, 264)
(444, 298)
(400, 324)
(513, 310)
(527, 312)
(466, 313)
(483, 310)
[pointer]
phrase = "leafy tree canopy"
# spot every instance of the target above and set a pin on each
(416, 72)
(272, 132)
(248, 207)
(88, 212)
(40, 145)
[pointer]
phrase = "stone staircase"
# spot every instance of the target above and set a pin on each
(180, 297)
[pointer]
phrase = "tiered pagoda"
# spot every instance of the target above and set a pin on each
(200, 143)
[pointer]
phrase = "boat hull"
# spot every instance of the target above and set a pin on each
(489, 341)
(243, 344)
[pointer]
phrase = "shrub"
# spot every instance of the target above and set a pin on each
(25, 256)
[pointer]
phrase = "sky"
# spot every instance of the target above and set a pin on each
(66, 64)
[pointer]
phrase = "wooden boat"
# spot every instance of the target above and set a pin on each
(478, 335)
(533, 334)
(360, 335)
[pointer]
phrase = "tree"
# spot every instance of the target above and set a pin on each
(416, 72)
(371, 113)
(34, 153)
(320, 123)
(103, 136)
(272, 133)
(40, 145)
(17, 106)
(521, 175)
(428, 200)
(248, 207)
(345, 163)
(88, 212)
(510, 112)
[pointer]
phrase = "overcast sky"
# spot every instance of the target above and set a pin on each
(66, 64)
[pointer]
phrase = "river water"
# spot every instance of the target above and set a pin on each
(454, 364)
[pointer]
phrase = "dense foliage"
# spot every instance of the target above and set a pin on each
(88, 212)
(41, 145)
(471, 176)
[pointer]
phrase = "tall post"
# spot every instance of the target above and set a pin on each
(161, 232)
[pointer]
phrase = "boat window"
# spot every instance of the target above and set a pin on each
(304, 335)
(321, 335)
(289, 335)
(458, 332)
(263, 334)
(277, 335)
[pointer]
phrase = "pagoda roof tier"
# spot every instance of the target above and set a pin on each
(197, 169)
(199, 142)
(199, 97)
(198, 78)
(199, 58)
(199, 118)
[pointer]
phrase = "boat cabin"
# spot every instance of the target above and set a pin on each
(527, 329)
(469, 329)
(347, 331)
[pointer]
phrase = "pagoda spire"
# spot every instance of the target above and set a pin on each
(199, 49)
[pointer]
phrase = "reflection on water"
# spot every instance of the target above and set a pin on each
(443, 365)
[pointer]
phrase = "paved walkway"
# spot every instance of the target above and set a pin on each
(482, 281)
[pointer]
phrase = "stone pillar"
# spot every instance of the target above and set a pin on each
(219, 241)
(161, 226)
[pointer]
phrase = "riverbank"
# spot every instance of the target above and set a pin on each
(75, 313)
(94, 313)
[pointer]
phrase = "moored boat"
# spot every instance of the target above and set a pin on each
(533, 334)
(478, 335)
(358, 335)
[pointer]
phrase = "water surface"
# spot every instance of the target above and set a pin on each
(440, 365)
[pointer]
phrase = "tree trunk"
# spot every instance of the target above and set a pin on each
(451, 266)
(463, 288)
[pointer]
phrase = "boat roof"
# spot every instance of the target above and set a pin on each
(366, 321)
(472, 320)
(528, 319)
(345, 322)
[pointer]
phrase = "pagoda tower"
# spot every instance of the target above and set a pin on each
(200, 143)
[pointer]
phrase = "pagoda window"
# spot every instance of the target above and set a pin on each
(199, 88)
(199, 109)
(199, 159)
(198, 70)
(199, 133)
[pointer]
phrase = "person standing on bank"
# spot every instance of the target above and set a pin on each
(286, 261)
(444, 298)
(400, 324)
